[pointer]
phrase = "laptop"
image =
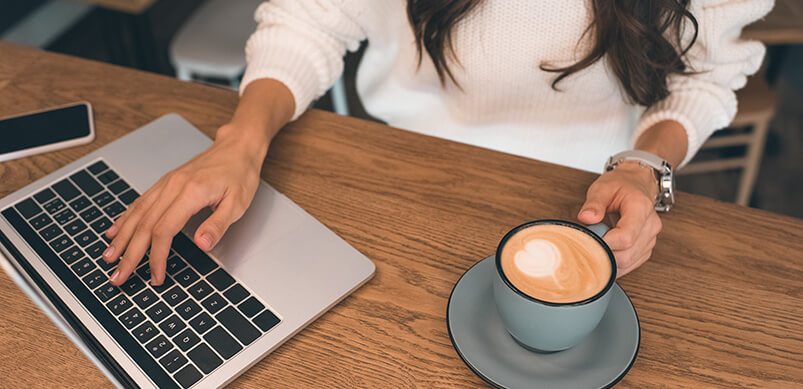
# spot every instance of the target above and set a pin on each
(218, 313)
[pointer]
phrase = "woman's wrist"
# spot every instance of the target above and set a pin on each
(249, 141)
(644, 174)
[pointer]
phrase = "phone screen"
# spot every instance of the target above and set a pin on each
(44, 128)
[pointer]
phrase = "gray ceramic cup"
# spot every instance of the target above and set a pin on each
(545, 326)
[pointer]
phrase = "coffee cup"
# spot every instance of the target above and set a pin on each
(561, 275)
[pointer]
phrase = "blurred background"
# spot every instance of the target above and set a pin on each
(757, 162)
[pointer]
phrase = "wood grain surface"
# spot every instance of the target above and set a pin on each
(719, 302)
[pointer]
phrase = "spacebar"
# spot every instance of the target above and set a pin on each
(85, 296)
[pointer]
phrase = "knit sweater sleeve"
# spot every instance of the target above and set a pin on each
(705, 101)
(301, 43)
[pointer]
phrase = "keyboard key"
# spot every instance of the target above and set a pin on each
(236, 294)
(90, 214)
(95, 279)
(220, 279)
(186, 277)
(87, 183)
(222, 342)
(144, 271)
(71, 255)
(145, 299)
(159, 346)
(95, 250)
(101, 225)
(205, 358)
(188, 376)
(80, 203)
(200, 290)
(188, 309)
(66, 189)
(202, 323)
(238, 325)
(103, 199)
(167, 284)
(266, 320)
(194, 256)
(40, 221)
(174, 296)
(132, 318)
(158, 312)
(75, 227)
(61, 243)
(129, 196)
(118, 187)
(114, 209)
(186, 340)
(132, 286)
(82, 267)
(172, 326)
(145, 332)
(64, 216)
(86, 238)
(173, 361)
(50, 232)
(119, 305)
(251, 307)
(106, 292)
(54, 206)
(107, 178)
(44, 196)
(97, 167)
(214, 303)
(175, 264)
(107, 267)
(28, 208)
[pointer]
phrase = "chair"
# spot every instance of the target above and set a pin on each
(211, 45)
(757, 105)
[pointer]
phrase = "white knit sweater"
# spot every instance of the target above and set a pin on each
(506, 103)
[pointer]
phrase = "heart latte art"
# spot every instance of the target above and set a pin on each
(555, 263)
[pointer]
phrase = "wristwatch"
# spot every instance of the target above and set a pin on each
(663, 172)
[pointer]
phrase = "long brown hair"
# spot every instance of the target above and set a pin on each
(641, 39)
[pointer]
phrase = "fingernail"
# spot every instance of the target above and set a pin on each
(107, 254)
(111, 230)
(154, 282)
(114, 276)
(589, 212)
(207, 239)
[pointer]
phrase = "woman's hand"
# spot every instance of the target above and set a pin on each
(630, 191)
(224, 177)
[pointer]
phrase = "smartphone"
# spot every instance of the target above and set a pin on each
(46, 130)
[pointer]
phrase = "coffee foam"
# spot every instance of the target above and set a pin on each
(555, 263)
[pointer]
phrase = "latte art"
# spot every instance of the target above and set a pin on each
(555, 263)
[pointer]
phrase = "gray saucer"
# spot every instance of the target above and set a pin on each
(479, 337)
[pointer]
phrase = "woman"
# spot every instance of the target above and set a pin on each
(569, 82)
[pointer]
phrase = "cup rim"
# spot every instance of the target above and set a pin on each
(579, 227)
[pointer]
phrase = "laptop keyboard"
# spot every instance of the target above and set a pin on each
(177, 332)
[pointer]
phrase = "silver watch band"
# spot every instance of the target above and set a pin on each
(663, 171)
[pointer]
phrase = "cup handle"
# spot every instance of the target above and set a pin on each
(600, 229)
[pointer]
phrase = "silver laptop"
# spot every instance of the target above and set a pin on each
(275, 271)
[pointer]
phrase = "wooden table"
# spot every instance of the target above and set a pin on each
(719, 303)
(783, 25)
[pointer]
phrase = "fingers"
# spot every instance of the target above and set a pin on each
(630, 262)
(175, 217)
(211, 230)
(134, 236)
(598, 199)
(635, 213)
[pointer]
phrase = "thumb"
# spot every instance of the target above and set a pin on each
(597, 201)
(213, 228)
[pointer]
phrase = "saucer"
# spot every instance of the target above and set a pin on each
(481, 340)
